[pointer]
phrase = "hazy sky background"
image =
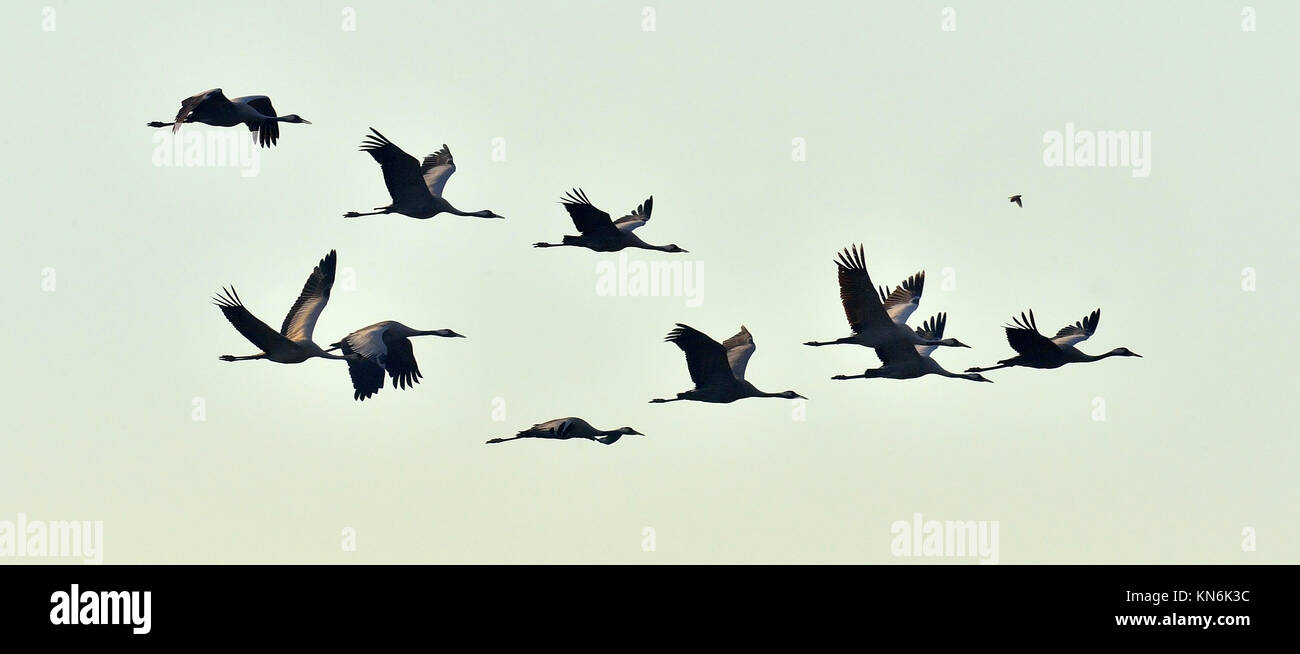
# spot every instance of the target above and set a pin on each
(915, 136)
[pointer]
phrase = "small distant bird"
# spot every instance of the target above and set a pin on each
(383, 346)
(211, 107)
(867, 314)
(415, 186)
(1038, 351)
(718, 369)
(904, 361)
(292, 344)
(567, 428)
(1016, 200)
(602, 234)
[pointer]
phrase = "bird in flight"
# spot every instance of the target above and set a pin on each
(597, 231)
(383, 347)
(717, 369)
(1034, 350)
(567, 428)
(867, 313)
(415, 186)
(292, 344)
(211, 107)
(1015, 199)
(906, 361)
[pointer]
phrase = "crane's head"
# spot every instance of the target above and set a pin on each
(672, 247)
(628, 431)
(1125, 352)
(791, 395)
(295, 118)
(975, 376)
(487, 214)
(952, 342)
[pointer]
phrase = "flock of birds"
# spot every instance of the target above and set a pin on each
(877, 317)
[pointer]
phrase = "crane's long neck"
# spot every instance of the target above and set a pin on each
(453, 210)
(937, 369)
(446, 333)
(607, 437)
(638, 243)
(470, 214)
(635, 241)
(1084, 358)
(972, 376)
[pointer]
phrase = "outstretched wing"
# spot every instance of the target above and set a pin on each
(259, 102)
(436, 168)
(368, 342)
(301, 321)
(1024, 337)
(586, 217)
(638, 217)
(862, 305)
(268, 132)
(367, 376)
(897, 353)
(401, 363)
(402, 174)
(257, 332)
(1079, 331)
(931, 330)
(558, 426)
(706, 359)
(905, 299)
(211, 99)
(739, 348)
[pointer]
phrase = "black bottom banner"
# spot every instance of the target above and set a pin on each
(190, 604)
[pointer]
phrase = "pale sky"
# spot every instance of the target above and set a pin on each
(914, 138)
